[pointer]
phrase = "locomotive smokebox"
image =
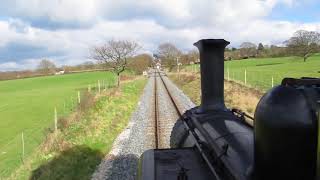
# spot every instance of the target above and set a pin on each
(212, 73)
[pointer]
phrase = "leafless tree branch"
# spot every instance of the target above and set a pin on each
(304, 43)
(114, 54)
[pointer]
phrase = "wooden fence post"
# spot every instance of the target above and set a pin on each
(79, 97)
(99, 85)
(55, 120)
(245, 77)
(89, 88)
(22, 140)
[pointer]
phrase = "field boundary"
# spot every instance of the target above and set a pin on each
(21, 145)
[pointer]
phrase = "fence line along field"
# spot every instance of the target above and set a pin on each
(27, 106)
(260, 73)
(263, 73)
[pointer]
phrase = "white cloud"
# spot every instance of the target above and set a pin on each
(166, 12)
(8, 66)
(24, 65)
(56, 10)
(181, 22)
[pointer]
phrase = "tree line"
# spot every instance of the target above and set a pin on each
(136, 64)
(120, 55)
(302, 44)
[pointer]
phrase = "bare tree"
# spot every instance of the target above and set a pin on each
(115, 55)
(168, 54)
(140, 63)
(46, 67)
(189, 57)
(303, 43)
(193, 55)
(248, 49)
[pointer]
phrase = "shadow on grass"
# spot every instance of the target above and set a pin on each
(268, 64)
(78, 162)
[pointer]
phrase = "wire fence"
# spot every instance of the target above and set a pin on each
(14, 151)
(252, 78)
(262, 79)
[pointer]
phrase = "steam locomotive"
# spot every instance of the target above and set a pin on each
(213, 142)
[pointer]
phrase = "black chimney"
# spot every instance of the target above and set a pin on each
(212, 73)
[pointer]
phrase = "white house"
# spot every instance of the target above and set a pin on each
(59, 73)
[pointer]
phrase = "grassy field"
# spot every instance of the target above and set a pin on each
(27, 105)
(75, 152)
(259, 72)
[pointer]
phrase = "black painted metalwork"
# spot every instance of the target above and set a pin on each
(212, 73)
(283, 144)
(286, 131)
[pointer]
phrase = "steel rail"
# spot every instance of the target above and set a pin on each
(179, 112)
(157, 118)
(156, 115)
(193, 134)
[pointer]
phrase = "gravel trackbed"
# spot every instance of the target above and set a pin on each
(122, 161)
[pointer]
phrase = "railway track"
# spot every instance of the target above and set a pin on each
(165, 117)
(166, 111)
(149, 128)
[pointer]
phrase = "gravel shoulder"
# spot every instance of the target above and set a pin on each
(182, 99)
(122, 160)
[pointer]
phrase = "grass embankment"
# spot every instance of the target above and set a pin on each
(260, 71)
(236, 95)
(27, 105)
(259, 75)
(76, 150)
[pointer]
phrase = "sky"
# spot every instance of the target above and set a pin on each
(64, 30)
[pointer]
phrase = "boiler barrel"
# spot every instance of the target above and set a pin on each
(286, 134)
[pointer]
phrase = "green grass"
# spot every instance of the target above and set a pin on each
(261, 70)
(27, 105)
(78, 149)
